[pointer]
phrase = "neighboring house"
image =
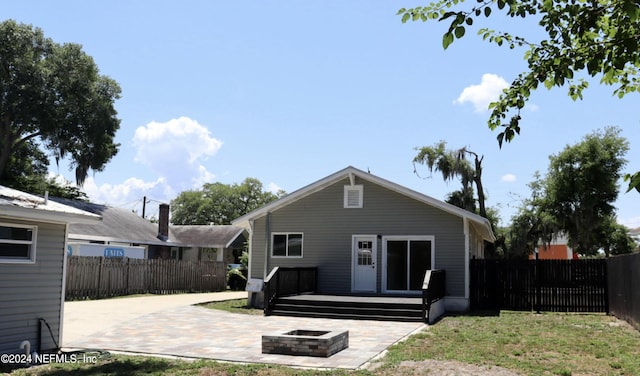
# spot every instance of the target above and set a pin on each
(122, 227)
(558, 249)
(33, 236)
(367, 236)
(217, 243)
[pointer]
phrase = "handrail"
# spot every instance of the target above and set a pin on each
(288, 281)
(433, 289)
(270, 290)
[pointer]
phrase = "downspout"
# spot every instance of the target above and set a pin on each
(467, 276)
(250, 249)
(64, 284)
(267, 238)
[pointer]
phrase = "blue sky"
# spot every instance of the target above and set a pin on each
(289, 92)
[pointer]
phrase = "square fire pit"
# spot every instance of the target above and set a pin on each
(319, 343)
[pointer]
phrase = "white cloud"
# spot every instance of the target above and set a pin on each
(483, 94)
(59, 179)
(128, 191)
(508, 178)
(532, 107)
(273, 188)
(632, 222)
(175, 150)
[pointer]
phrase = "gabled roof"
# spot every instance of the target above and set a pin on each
(117, 225)
(481, 224)
(215, 236)
(22, 205)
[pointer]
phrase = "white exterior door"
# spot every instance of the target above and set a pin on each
(364, 251)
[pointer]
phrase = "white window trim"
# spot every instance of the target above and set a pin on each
(32, 243)
(360, 189)
(430, 238)
(287, 250)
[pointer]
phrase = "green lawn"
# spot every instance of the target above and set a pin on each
(528, 343)
(234, 306)
(533, 344)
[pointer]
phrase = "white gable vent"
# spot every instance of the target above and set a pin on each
(353, 196)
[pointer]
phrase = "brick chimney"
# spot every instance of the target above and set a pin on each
(163, 222)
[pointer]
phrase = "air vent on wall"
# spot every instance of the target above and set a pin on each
(353, 196)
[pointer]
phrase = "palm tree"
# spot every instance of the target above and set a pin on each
(452, 164)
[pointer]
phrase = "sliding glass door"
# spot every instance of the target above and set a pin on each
(407, 259)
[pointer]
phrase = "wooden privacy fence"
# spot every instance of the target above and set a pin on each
(99, 277)
(542, 285)
(624, 287)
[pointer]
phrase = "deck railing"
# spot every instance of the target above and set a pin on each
(288, 281)
(433, 289)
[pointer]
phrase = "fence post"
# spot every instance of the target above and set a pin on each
(538, 297)
(100, 276)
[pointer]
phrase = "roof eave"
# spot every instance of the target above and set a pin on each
(48, 215)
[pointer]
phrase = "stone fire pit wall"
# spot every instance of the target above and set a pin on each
(306, 343)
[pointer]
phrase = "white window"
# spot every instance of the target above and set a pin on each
(353, 196)
(365, 251)
(17, 243)
(286, 245)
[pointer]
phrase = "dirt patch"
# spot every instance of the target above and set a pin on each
(449, 368)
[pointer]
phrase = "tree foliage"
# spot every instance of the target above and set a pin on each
(27, 171)
(218, 203)
(52, 96)
(452, 164)
(463, 199)
(600, 38)
(576, 198)
(582, 184)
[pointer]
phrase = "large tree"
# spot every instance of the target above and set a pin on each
(576, 197)
(52, 96)
(601, 38)
(218, 203)
(582, 185)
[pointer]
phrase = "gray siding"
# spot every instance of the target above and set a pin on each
(29, 292)
(328, 230)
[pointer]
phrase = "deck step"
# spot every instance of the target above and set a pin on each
(345, 316)
(362, 309)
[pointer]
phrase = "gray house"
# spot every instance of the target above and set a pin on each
(33, 236)
(367, 236)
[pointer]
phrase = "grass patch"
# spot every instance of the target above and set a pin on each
(234, 306)
(533, 344)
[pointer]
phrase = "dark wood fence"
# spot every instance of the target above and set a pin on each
(543, 285)
(99, 277)
(624, 287)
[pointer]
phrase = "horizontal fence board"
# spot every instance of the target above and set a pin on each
(99, 277)
(541, 285)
